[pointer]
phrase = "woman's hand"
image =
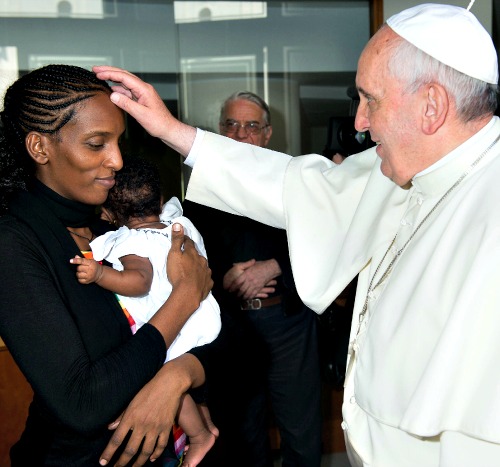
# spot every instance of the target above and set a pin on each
(187, 268)
(191, 280)
(150, 415)
(142, 102)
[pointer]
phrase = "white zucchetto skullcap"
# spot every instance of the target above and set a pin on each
(452, 35)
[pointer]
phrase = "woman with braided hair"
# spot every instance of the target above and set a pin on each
(58, 155)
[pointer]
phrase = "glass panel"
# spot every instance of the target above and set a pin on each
(299, 56)
(52, 8)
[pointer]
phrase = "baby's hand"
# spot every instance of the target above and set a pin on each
(87, 270)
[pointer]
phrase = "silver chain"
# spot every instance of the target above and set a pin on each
(387, 271)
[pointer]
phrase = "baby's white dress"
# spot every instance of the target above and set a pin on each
(204, 324)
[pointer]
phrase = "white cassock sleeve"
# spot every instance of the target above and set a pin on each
(312, 198)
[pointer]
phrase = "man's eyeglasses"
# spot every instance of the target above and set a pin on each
(253, 128)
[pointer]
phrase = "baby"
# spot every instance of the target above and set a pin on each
(138, 253)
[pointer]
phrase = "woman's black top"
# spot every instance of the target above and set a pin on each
(72, 341)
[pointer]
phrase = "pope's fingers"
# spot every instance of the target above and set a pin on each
(128, 104)
(112, 73)
(122, 77)
(127, 83)
(121, 90)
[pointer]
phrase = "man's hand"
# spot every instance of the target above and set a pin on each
(142, 102)
(237, 270)
(252, 279)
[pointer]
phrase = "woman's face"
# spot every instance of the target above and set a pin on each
(83, 157)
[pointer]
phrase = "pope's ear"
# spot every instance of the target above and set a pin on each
(436, 109)
(37, 146)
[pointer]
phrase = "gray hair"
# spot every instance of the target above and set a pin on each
(473, 98)
(251, 97)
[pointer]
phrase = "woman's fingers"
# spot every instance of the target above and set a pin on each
(114, 443)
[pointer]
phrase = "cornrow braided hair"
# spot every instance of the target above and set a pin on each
(43, 100)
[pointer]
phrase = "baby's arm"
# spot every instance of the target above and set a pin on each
(134, 281)
(87, 270)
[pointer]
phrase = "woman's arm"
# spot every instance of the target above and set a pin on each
(84, 368)
(156, 405)
(150, 415)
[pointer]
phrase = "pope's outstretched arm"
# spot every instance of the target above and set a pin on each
(142, 102)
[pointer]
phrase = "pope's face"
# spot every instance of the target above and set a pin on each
(388, 112)
(84, 155)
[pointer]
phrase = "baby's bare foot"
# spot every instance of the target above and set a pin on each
(198, 446)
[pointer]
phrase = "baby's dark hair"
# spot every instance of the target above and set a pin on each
(137, 191)
(43, 100)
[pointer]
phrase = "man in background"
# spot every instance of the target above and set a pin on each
(253, 281)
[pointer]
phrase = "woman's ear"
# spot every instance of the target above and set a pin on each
(37, 147)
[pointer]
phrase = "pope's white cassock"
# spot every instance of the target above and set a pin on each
(423, 382)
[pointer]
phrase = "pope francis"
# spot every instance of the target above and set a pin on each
(417, 217)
